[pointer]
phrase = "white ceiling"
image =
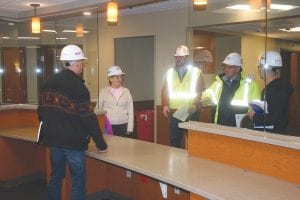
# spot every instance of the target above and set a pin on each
(17, 10)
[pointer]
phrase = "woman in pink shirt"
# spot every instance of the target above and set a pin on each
(117, 101)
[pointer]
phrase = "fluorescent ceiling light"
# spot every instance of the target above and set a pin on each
(32, 47)
(239, 7)
(244, 7)
(294, 29)
(86, 13)
(282, 7)
(61, 38)
(49, 31)
(4, 37)
(69, 31)
(72, 31)
(28, 38)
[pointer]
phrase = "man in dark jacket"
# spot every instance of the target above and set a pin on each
(68, 122)
(276, 95)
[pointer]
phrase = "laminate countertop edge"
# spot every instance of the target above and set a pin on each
(292, 142)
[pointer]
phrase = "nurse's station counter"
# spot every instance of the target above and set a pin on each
(219, 163)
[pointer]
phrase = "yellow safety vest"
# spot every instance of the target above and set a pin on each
(247, 91)
(182, 92)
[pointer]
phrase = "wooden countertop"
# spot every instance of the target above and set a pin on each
(34, 107)
(292, 142)
(18, 106)
(174, 166)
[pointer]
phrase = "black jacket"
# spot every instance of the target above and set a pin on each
(278, 94)
(226, 111)
(67, 113)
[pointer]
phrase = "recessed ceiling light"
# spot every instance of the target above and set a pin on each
(199, 47)
(86, 13)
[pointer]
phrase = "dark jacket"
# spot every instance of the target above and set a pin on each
(67, 113)
(227, 111)
(278, 94)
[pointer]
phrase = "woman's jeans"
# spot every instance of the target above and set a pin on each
(76, 161)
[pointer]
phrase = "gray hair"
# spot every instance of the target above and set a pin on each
(68, 63)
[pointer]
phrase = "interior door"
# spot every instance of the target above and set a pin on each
(14, 79)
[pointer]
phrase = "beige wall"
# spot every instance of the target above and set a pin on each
(168, 29)
(253, 46)
(224, 46)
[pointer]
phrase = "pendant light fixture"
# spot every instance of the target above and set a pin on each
(199, 4)
(255, 5)
(35, 21)
(79, 30)
(112, 12)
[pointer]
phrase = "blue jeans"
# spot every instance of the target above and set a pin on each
(76, 161)
(175, 132)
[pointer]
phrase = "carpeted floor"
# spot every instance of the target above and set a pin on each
(37, 190)
(34, 190)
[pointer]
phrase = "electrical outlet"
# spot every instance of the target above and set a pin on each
(128, 174)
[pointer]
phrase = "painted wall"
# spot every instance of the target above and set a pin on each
(254, 46)
(168, 29)
(224, 46)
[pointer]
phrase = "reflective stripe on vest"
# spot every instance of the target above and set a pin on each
(213, 93)
(190, 92)
(244, 101)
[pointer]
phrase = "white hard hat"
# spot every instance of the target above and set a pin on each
(71, 52)
(233, 59)
(182, 51)
(273, 60)
(114, 71)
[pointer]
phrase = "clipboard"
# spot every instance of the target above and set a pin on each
(182, 113)
(39, 132)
